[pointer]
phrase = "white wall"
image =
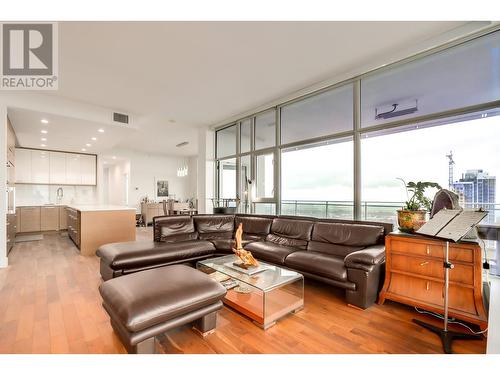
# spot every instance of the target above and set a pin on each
(206, 170)
(3, 182)
(146, 169)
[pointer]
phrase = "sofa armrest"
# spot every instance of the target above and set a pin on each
(367, 258)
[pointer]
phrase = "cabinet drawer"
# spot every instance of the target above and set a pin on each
(424, 291)
(30, 219)
(432, 250)
(50, 218)
(432, 267)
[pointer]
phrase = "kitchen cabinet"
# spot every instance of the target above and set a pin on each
(73, 172)
(49, 218)
(88, 169)
(23, 163)
(54, 167)
(30, 219)
(57, 168)
(74, 225)
(40, 167)
(63, 218)
(11, 231)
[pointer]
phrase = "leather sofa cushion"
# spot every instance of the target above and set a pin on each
(347, 234)
(214, 224)
(287, 232)
(269, 251)
(144, 299)
(328, 266)
(177, 228)
(332, 249)
(255, 228)
(143, 253)
(226, 245)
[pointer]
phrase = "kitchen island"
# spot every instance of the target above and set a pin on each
(90, 226)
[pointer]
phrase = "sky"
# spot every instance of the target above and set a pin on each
(326, 173)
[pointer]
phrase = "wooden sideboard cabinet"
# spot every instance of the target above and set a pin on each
(150, 210)
(415, 276)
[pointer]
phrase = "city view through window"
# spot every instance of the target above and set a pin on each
(318, 181)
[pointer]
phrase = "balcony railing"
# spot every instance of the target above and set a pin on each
(370, 210)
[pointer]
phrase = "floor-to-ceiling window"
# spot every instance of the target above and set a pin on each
(339, 152)
(317, 179)
(461, 153)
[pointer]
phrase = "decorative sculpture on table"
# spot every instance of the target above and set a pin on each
(247, 259)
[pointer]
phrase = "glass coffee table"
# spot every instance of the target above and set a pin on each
(265, 296)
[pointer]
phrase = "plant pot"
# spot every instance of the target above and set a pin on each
(410, 221)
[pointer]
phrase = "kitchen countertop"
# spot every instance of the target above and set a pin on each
(83, 207)
(99, 207)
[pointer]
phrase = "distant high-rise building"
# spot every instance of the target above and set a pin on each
(477, 189)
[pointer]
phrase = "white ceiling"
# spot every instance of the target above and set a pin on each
(173, 77)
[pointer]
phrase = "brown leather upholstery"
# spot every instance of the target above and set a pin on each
(145, 304)
(341, 239)
(174, 228)
(137, 254)
(318, 263)
(254, 228)
(147, 298)
(270, 252)
(339, 248)
(288, 232)
(214, 226)
(364, 259)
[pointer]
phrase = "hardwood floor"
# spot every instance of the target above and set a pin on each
(49, 303)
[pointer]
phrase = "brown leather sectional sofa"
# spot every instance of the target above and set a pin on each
(345, 254)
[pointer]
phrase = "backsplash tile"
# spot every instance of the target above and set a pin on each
(27, 195)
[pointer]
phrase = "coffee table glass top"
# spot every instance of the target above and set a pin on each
(268, 279)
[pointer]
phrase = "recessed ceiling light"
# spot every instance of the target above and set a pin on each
(101, 130)
(44, 121)
(94, 138)
(43, 145)
(84, 149)
(43, 139)
(88, 145)
(171, 121)
(43, 131)
(114, 157)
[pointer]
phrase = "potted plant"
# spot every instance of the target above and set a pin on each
(412, 216)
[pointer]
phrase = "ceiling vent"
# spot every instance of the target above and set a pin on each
(120, 117)
(182, 144)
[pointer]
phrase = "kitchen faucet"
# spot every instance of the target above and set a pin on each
(60, 194)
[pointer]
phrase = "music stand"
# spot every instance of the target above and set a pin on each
(447, 336)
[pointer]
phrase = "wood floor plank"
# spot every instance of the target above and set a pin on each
(50, 304)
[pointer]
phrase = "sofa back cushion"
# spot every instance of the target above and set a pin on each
(175, 229)
(214, 226)
(290, 232)
(341, 239)
(254, 228)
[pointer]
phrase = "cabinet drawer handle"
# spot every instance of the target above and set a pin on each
(424, 263)
(427, 285)
(428, 250)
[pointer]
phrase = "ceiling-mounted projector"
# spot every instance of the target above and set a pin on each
(404, 107)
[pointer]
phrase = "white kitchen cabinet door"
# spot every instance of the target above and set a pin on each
(88, 169)
(23, 165)
(73, 169)
(57, 167)
(40, 167)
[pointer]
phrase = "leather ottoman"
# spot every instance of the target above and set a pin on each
(148, 303)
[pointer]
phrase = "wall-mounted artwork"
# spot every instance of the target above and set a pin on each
(162, 188)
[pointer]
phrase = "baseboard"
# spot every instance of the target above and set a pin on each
(4, 262)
